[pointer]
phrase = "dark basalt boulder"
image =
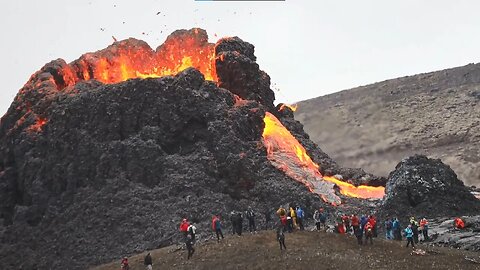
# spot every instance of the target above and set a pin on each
(426, 187)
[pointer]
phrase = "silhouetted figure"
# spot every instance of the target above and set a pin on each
(251, 219)
(148, 261)
(281, 237)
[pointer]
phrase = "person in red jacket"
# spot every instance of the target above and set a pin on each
(217, 227)
(184, 227)
(368, 232)
(459, 224)
(346, 223)
(373, 222)
(124, 265)
(355, 223)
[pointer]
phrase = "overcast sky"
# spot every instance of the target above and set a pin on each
(309, 48)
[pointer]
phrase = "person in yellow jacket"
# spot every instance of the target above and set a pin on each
(293, 215)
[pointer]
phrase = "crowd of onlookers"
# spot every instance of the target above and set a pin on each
(364, 228)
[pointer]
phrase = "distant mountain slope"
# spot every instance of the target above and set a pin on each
(375, 126)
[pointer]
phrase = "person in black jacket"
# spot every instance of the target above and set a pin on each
(233, 220)
(281, 237)
(239, 223)
(251, 220)
(148, 261)
(189, 244)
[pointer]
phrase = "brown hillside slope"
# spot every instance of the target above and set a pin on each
(375, 126)
(305, 250)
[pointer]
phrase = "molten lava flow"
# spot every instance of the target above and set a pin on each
(288, 155)
(292, 107)
(132, 58)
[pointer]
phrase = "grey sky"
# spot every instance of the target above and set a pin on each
(309, 48)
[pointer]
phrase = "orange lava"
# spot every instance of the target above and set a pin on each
(292, 107)
(127, 59)
(288, 155)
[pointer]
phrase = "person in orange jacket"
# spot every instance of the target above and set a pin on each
(424, 228)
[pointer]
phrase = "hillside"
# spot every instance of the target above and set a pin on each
(375, 126)
(305, 250)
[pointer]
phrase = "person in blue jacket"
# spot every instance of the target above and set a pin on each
(409, 235)
(363, 221)
(397, 231)
(300, 217)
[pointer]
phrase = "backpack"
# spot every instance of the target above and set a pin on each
(192, 230)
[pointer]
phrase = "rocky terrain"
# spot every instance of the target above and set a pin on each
(96, 163)
(102, 157)
(424, 187)
(375, 126)
(305, 250)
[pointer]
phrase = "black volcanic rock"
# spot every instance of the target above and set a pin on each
(117, 166)
(91, 172)
(238, 72)
(426, 187)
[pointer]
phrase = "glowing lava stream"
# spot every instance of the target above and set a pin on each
(288, 155)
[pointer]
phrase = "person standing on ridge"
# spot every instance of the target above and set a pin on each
(388, 229)
(359, 235)
(373, 222)
(300, 217)
(346, 223)
(217, 227)
(124, 264)
(148, 261)
(424, 228)
(233, 220)
(268, 218)
(409, 235)
(192, 231)
(189, 242)
(355, 224)
(397, 231)
(316, 218)
(414, 228)
(363, 221)
(368, 232)
(281, 237)
(323, 219)
(293, 215)
(251, 220)
(239, 223)
(340, 225)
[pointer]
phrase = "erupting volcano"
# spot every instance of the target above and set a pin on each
(129, 130)
(184, 49)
